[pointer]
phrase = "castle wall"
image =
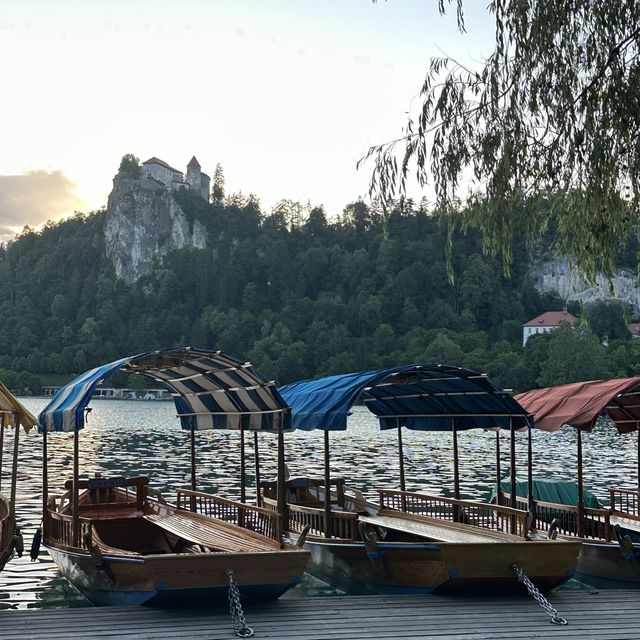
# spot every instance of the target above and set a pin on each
(164, 175)
(205, 186)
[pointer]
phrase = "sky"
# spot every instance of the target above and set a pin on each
(286, 95)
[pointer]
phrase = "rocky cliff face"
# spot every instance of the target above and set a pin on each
(557, 276)
(143, 223)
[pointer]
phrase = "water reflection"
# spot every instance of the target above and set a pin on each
(144, 438)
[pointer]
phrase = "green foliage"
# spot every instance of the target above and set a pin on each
(552, 114)
(130, 166)
(299, 299)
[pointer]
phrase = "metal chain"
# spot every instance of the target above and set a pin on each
(240, 627)
(537, 596)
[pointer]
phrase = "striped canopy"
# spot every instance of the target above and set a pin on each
(417, 396)
(210, 390)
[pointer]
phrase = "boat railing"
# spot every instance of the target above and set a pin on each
(258, 519)
(59, 528)
(625, 503)
(476, 514)
(565, 517)
(344, 524)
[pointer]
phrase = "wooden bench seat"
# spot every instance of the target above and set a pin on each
(215, 534)
(436, 530)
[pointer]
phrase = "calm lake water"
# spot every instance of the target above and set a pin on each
(144, 438)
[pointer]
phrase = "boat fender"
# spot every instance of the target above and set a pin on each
(35, 544)
(552, 534)
(626, 546)
(18, 542)
(100, 563)
(303, 536)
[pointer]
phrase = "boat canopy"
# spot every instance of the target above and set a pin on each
(12, 411)
(417, 396)
(211, 390)
(580, 403)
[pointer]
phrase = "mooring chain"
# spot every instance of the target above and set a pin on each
(537, 596)
(240, 627)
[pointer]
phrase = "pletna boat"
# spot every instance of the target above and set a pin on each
(610, 555)
(120, 542)
(412, 542)
(12, 414)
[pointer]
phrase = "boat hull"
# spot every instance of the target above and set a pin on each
(434, 567)
(606, 565)
(176, 579)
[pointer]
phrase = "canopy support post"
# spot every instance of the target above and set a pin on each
(514, 502)
(76, 490)
(256, 455)
(580, 523)
(14, 469)
(638, 456)
(45, 486)
(193, 467)
(243, 469)
(403, 485)
(456, 469)
(2, 423)
(530, 469)
(327, 488)
(498, 472)
(282, 506)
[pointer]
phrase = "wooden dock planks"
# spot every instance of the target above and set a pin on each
(605, 615)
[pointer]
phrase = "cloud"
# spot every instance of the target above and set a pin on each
(35, 197)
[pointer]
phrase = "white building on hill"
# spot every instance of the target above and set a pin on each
(546, 322)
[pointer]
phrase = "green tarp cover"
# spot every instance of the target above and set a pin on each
(548, 490)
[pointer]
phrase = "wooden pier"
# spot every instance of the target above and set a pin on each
(591, 616)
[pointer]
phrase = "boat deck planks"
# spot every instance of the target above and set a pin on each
(604, 615)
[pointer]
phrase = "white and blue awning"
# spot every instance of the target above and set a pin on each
(211, 390)
(417, 396)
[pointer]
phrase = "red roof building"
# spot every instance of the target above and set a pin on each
(546, 322)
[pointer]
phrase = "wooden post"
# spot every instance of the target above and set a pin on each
(327, 488)
(580, 523)
(193, 468)
(498, 472)
(403, 486)
(530, 468)
(256, 455)
(76, 489)
(456, 470)
(45, 485)
(14, 469)
(3, 419)
(638, 456)
(282, 505)
(243, 470)
(514, 492)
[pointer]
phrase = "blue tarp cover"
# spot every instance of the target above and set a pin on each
(211, 390)
(418, 396)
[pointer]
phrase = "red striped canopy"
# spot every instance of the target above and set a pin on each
(580, 403)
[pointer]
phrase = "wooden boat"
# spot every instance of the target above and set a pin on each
(12, 414)
(411, 542)
(417, 543)
(119, 542)
(610, 555)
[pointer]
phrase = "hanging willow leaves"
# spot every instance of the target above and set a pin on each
(544, 138)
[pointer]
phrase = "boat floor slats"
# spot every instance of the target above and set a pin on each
(435, 530)
(209, 533)
(591, 616)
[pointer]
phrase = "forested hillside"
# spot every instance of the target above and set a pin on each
(300, 296)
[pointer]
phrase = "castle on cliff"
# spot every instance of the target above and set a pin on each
(174, 179)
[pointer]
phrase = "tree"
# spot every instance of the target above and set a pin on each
(553, 115)
(217, 190)
(130, 166)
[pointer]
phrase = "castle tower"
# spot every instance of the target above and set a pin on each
(194, 179)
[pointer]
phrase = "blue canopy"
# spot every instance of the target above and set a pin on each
(210, 390)
(418, 396)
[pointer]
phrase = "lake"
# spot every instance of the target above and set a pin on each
(144, 438)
